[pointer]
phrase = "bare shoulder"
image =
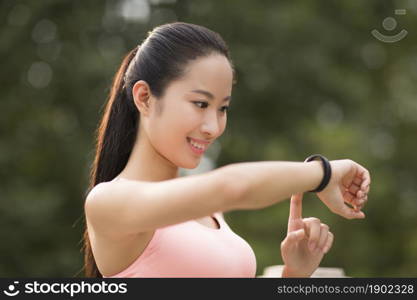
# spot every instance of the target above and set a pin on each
(105, 203)
(125, 207)
(114, 250)
(95, 197)
(112, 194)
(111, 188)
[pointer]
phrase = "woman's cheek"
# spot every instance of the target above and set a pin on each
(223, 124)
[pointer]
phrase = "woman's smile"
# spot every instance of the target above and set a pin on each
(197, 146)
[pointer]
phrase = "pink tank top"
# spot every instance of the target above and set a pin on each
(191, 249)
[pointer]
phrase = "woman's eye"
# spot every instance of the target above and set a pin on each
(201, 104)
(225, 108)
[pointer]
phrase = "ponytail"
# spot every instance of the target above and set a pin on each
(115, 139)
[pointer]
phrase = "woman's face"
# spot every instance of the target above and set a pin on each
(192, 112)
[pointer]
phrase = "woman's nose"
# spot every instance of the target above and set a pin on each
(211, 125)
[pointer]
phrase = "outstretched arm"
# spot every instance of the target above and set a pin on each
(127, 207)
(266, 183)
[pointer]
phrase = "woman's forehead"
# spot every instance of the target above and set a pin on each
(212, 74)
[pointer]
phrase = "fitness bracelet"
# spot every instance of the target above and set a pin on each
(326, 168)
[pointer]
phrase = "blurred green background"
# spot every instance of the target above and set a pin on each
(311, 79)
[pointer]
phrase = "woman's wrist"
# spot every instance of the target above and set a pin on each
(316, 173)
(327, 171)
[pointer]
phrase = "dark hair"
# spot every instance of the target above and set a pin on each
(161, 58)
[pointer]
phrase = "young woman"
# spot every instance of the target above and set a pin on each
(168, 103)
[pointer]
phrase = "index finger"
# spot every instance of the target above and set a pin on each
(364, 176)
(296, 206)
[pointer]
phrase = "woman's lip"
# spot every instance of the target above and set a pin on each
(195, 149)
(199, 141)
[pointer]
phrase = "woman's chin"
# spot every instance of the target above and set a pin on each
(190, 165)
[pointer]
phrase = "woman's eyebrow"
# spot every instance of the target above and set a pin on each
(210, 95)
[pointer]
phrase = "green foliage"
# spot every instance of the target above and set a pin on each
(311, 79)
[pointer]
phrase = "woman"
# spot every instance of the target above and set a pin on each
(167, 105)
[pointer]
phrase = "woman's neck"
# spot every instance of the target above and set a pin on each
(146, 164)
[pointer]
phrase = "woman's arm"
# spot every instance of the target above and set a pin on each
(128, 207)
(265, 183)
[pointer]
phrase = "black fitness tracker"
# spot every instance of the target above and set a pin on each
(326, 168)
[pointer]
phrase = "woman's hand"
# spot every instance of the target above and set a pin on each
(350, 184)
(306, 242)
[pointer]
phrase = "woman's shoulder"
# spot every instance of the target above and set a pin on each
(97, 195)
(106, 204)
(97, 191)
(107, 188)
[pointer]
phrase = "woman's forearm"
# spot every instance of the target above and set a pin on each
(261, 184)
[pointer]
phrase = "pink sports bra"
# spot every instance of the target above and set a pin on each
(190, 249)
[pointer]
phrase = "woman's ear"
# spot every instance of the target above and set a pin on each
(141, 95)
